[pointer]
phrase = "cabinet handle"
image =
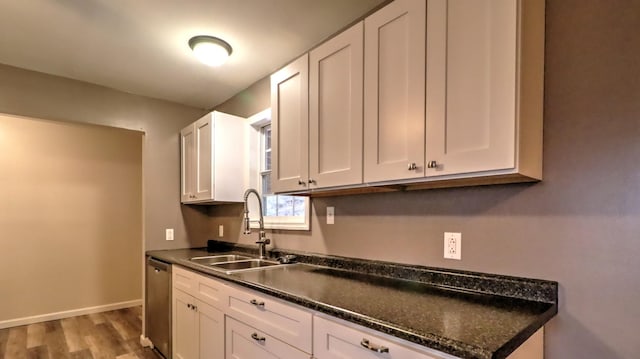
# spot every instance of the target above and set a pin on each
(312, 181)
(412, 166)
(189, 306)
(432, 164)
(300, 182)
(194, 308)
(256, 303)
(257, 338)
(376, 348)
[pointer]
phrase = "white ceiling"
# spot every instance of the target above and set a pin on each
(140, 46)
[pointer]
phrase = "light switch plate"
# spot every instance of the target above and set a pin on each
(221, 230)
(168, 233)
(331, 215)
(453, 245)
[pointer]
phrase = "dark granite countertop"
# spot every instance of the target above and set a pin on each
(465, 314)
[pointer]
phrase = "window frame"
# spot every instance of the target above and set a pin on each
(255, 163)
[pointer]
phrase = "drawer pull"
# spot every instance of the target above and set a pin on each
(257, 338)
(378, 349)
(256, 303)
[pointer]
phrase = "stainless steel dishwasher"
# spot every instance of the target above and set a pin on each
(158, 305)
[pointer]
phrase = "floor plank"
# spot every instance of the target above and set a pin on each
(109, 335)
(35, 335)
(38, 352)
(55, 341)
(82, 354)
(73, 337)
(17, 343)
(4, 338)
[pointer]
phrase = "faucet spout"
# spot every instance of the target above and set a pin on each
(262, 239)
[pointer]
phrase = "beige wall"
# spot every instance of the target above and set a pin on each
(580, 226)
(250, 101)
(38, 95)
(71, 216)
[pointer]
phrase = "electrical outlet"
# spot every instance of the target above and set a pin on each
(453, 245)
(168, 234)
(221, 230)
(331, 215)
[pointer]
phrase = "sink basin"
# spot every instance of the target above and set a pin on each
(239, 265)
(232, 263)
(211, 260)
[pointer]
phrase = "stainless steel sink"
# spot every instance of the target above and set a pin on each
(244, 264)
(211, 260)
(233, 263)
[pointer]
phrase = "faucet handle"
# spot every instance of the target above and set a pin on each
(263, 241)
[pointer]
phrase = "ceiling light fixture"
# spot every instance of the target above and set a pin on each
(210, 50)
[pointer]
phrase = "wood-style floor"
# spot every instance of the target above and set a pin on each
(107, 335)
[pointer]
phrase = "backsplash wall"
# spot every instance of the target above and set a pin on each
(579, 226)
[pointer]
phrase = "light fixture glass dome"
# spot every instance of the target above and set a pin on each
(210, 50)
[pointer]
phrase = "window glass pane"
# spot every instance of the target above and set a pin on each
(298, 206)
(266, 183)
(270, 206)
(267, 160)
(285, 205)
(267, 137)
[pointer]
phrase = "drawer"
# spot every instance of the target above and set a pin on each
(183, 279)
(333, 340)
(245, 342)
(281, 320)
(211, 291)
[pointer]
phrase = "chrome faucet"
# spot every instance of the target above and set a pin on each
(262, 240)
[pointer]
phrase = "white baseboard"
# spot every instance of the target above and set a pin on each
(67, 314)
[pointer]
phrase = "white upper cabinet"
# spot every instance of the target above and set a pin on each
(187, 163)
(335, 110)
(394, 90)
(484, 87)
(290, 127)
(316, 104)
(451, 95)
(213, 159)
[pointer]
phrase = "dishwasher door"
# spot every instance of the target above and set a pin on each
(158, 305)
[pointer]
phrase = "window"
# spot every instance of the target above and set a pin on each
(279, 211)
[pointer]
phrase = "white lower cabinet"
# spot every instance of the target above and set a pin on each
(246, 342)
(198, 326)
(184, 319)
(333, 340)
(198, 329)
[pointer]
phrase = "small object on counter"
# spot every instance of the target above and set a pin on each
(214, 246)
(289, 258)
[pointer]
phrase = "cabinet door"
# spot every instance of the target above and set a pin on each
(335, 110)
(187, 163)
(245, 342)
(471, 85)
(394, 90)
(290, 125)
(203, 145)
(336, 341)
(210, 323)
(184, 326)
